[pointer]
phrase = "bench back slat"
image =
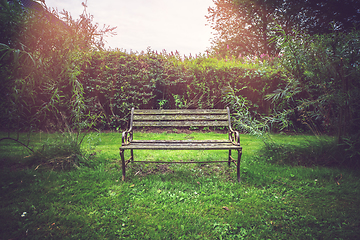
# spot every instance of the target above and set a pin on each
(180, 118)
(179, 111)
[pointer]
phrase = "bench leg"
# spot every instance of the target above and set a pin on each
(122, 163)
(229, 160)
(238, 165)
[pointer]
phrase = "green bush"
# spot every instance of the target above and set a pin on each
(115, 81)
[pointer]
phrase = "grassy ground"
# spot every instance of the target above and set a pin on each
(175, 201)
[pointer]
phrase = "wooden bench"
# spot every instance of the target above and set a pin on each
(180, 118)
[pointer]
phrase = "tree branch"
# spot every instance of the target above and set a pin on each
(24, 145)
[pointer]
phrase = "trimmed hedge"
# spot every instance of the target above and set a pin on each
(115, 81)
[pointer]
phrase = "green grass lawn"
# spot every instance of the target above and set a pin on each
(175, 201)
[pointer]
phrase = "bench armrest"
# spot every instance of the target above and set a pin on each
(126, 137)
(234, 137)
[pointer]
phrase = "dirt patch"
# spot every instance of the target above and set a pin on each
(157, 169)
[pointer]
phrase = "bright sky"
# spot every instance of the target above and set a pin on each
(160, 24)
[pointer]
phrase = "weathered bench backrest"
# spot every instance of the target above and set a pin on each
(180, 118)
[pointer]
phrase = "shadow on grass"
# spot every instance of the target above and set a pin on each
(310, 153)
(186, 173)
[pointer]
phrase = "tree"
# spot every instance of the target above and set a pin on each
(242, 26)
(10, 22)
(40, 55)
(245, 26)
(325, 16)
(323, 87)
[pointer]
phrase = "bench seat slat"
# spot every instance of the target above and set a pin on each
(179, 123)
(181, 146)
(180, 141)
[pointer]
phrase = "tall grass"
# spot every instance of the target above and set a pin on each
(275, 200)
(310, 152)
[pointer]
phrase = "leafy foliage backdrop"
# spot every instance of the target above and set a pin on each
(56, 75)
